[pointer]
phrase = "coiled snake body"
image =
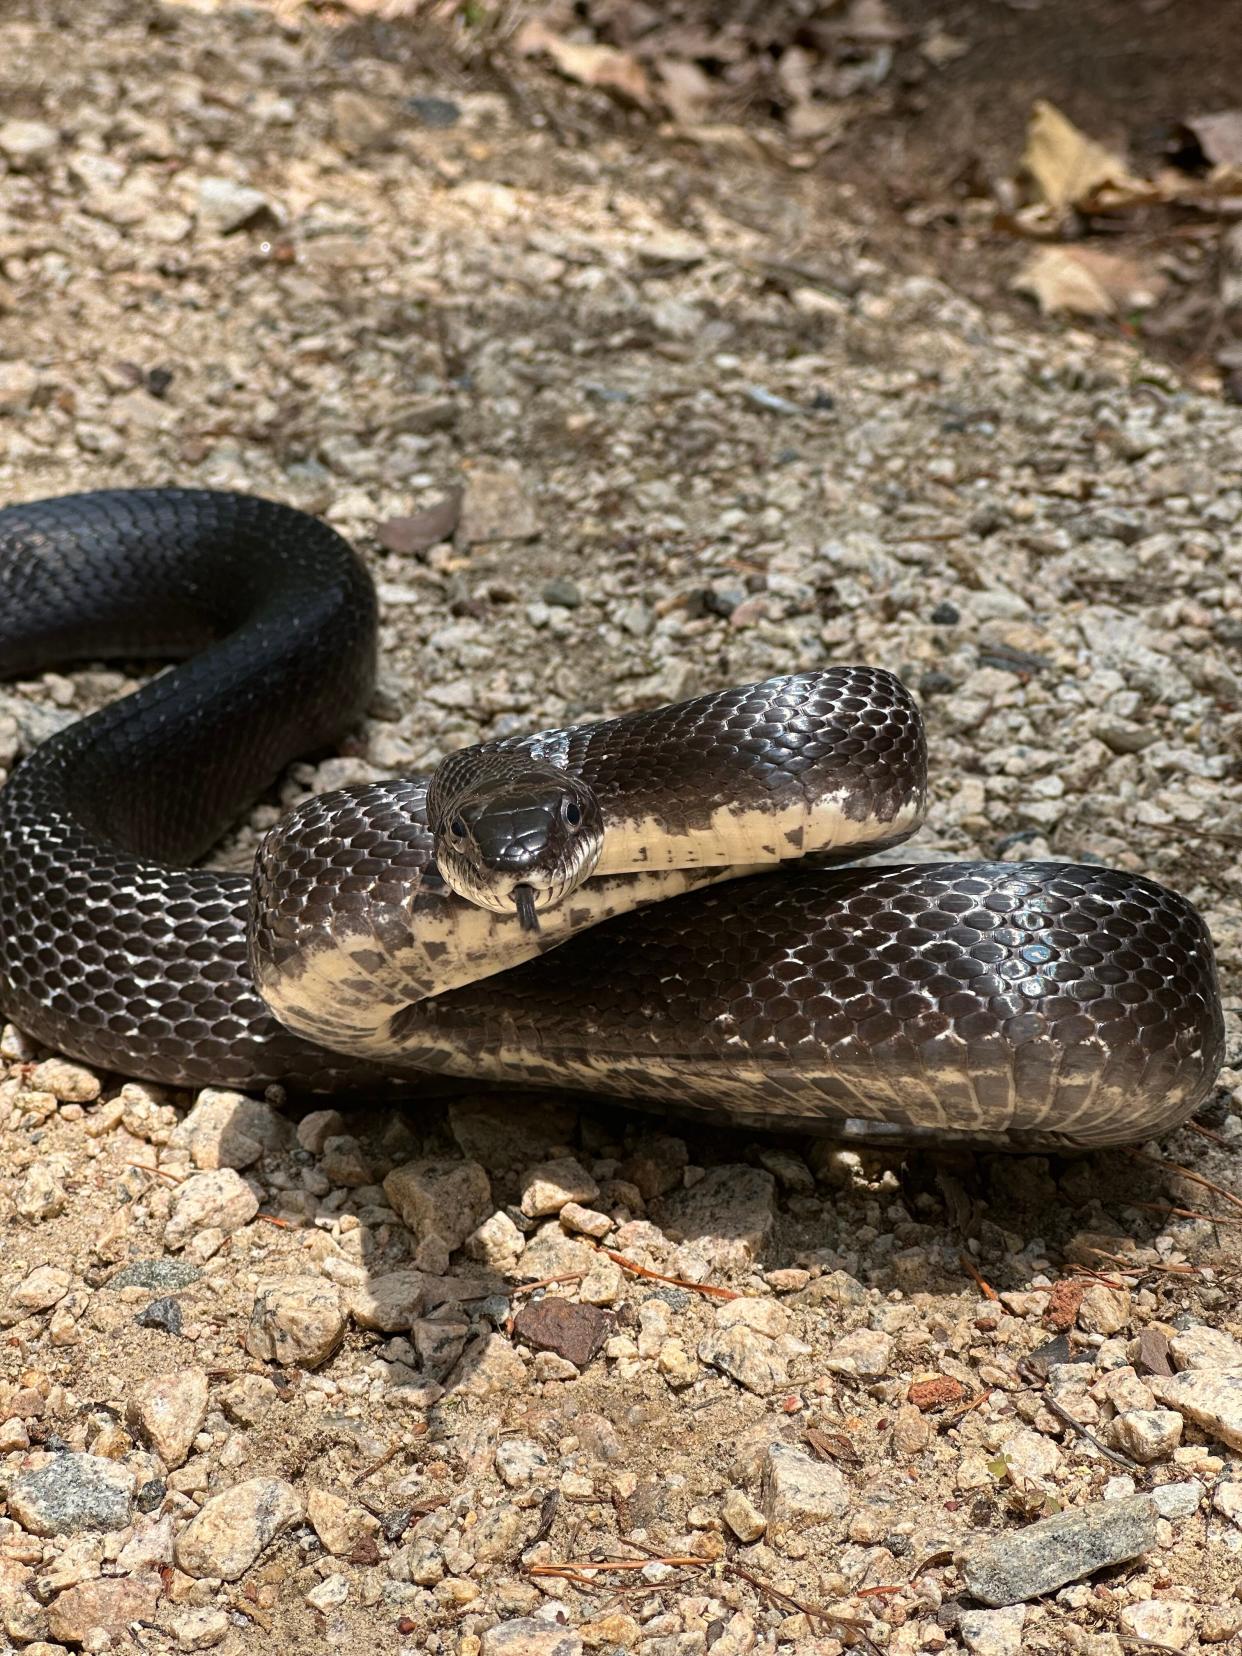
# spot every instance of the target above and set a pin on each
(1031, 1003)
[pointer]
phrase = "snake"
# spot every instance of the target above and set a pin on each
(680, 908)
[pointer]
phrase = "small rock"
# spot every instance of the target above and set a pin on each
(1212, 1398)
(1030, 1456)
(247, 1399)
(297, 1319)
(488, 1365)
(936, 1392)
(799, 1492)
(865, 1354)
(912, 1431)
(994, 1632)
(340, 1525)
(359, 122)
(27, 144)
(18, 384)
(1205, 1348)
(1027, 1563)
(228, 1129)
(790, 1172)
(440, 1198)
(749, 1358)
(330, 1594)
(677, 1368)
(156, 1274)
(495, 507)
(68, 1083)
(43, 1288)
(1147, 1435)
(726, 1217)
(164, 1314)
(743, 1516)
(603, 1284)
(200, 1629)
(550, 1365)
(1177, 1500)
(520, 1461)
(655, 1165)
(547, 1188)
(496, 1242)
(1104, 1310)
(764, 1316)
(586, 1221)
(1227, 1499)
(1168, 1624)
(167, 1412)
(111, 1603)
(68, 1493)
(41, 1196)
(530, 1636)
(575, 1332)
(219, 1200)
(315, 1129)
(344, 1162)
(229, 1531)
(224, 205)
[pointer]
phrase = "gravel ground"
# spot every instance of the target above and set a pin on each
(615, 424)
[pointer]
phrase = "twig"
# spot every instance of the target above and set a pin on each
(951, 1416)
(1207, 1133)
(1186, 1173)
(985, 1288)
(546, 1282)
(1183, 1213)
(1025, 1372)
(812, 1611)
(675, 1282)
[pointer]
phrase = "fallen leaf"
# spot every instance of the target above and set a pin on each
(1070, 169)
(1086, 282)
(1219, 136)
(590, 65)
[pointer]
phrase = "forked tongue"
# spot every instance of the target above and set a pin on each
(524, 897)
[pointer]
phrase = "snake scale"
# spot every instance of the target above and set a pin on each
(704, 953)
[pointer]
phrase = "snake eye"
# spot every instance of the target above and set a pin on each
(572, 813)
(457, 828)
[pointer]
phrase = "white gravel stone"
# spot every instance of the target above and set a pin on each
(441, 1198)
(219, 1200)
(743, 1516)
(1212, 1398)
(1147, 1434)
(232, 1529)
(296, 1320)
(994, 1632)
(799, 1492)
(546, 1189)
(1205, 1348)
(1166, 1623)
(865, 1354)
(167, 1412)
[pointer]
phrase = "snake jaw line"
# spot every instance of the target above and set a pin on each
(524, 898)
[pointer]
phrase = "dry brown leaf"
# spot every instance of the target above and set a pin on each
(1087, 282)
(1219, 136)
(685, 91)
(599, 66)
(1069, 168)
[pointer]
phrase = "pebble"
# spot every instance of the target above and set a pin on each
(520, 1461)
(110, 1603)
(229, 1532)
(229, 1129)
(27, 144)
(994, 1632)
(726, 1217)
(488, 1367)
(749, 1358)
(1066, 1547)
(201, 1629)
(574, 1332)
(865, 1354)
(743, 1516)
(68, 1083)
(296, 1320)
(218, 1200)
(224, 205)
(67, 1494)
(495, 508)
(1167, 1624)
(1205, 1348)
(548, 1188)
(167, 1412)
(496, 1242)
(317, 1127)
(446, 1199)
(1146, 1435)
(41, 1289)
(529, 1636)
(342, 1526)
(586, 1221)
(1212, 1398)
(799, 1492)
(164, 1314)
(247, 1399)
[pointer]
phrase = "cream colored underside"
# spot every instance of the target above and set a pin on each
(755, 837)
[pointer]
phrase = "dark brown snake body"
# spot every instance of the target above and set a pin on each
(1027, 1004)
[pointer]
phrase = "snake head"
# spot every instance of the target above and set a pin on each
(518, 838)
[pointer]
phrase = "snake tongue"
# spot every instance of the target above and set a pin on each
(524, 897)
